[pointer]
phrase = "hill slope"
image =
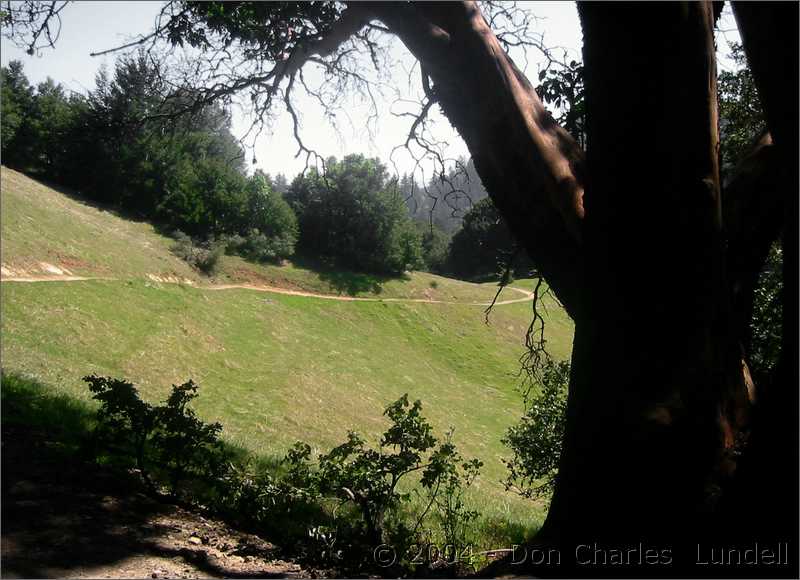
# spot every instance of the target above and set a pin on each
(273, 368)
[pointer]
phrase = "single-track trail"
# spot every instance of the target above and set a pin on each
(276, 290)
(11, 275)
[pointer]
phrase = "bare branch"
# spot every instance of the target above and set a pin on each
(355, 17)
(26, 22)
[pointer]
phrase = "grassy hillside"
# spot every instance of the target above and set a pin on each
(41, 225)
(44, 227)
(272, 368)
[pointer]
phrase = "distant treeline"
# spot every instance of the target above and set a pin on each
(121, 146)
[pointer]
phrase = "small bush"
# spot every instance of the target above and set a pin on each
(184, 446)
(203, 256)
(453, 477)
(258, 247)
(536, 440)
(125, 423)
(336, 508)
(366, 480)
(165, 439)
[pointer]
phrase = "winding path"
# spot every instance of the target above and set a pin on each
(271, 289)
(275, 290)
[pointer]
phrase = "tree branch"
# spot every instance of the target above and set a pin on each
(530, 166)
(355, 17)
(754, 202)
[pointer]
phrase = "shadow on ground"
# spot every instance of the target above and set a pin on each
(344, 281)
(63, 516)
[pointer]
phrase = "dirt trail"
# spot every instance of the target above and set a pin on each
(275, 290)
(49, 278)
(9, 275)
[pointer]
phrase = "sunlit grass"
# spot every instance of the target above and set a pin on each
(273, 369)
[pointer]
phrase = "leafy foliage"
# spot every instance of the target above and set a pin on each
(562, 87)
(123, 420)
(16, 101)
(271, 217)
(369, 480)
(271, 29)
(350, 215)
(185, 446)
(536, 440)
(38, 125)
(766, 324)
(740, 111)
(453, 476)
(484, 244)
(741, 123)
(121, 145)
(204, 255)
(169, 437)
(435, 246)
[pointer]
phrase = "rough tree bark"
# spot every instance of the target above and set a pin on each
(531, 167)
(769, 466)
(659, 402)
(657, 399)
(753, 215)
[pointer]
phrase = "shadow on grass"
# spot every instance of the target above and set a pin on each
(501, 533)
(28, 403)
(346, 281)
(105, 206)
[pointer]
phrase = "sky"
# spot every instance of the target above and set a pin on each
(95, 26)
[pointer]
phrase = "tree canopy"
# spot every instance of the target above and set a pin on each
(182, 174)
(352, 214)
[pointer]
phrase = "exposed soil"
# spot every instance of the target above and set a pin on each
(73, 262)
(249, 277)
(254, 282)
(65, 518)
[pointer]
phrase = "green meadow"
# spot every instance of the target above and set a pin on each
(272, 368)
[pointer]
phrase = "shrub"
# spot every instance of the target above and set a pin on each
(259, 247)
(367, 480)
(453, 477)
(168, 437)
(536, 440)
(124, 421)
(203, 256)
(183, 444)
(339, 507)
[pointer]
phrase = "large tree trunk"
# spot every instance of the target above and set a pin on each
(770, 464)
(656, 398)
(658, 404)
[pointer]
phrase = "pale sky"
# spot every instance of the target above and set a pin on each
(94, 26)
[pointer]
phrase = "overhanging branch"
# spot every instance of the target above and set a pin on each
(530, 166)
(753, 206)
